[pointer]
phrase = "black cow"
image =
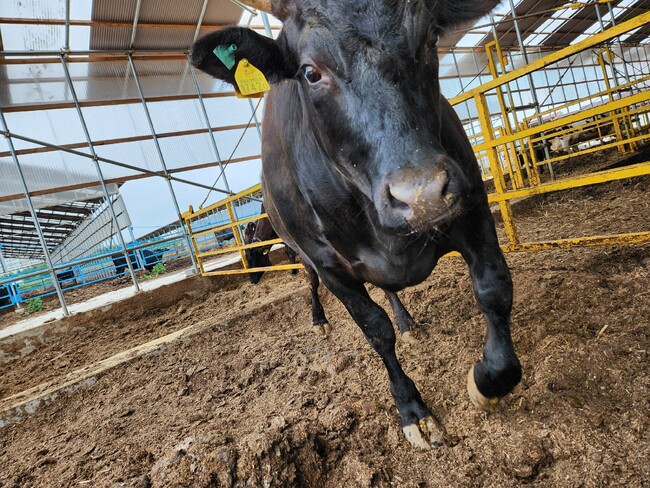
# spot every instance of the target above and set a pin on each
(223, 236)
(368, 174)
(5, 298)
(66, 278)
(150, 259)
(258, 257)
(153, 257)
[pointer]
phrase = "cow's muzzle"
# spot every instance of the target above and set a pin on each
(419, 198)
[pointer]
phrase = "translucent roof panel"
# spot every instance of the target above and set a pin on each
(33, 84)
(44, 171)
(33, 37)
(57, 127)
(556, 21)
(107, 122)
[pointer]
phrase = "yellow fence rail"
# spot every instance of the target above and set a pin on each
(205, 236)
(507, 149)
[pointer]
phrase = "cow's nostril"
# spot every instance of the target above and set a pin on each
(396, 202)
(418, 193)
(418, 196)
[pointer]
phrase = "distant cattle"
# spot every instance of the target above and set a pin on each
(367, 171)
(66, 278)
(150, 259)
(579, 133)
(5, 298)
(223, 235)
(540, 155)
(258, 257)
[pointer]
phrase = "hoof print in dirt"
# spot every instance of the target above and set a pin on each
(426, 434)
(479, 400)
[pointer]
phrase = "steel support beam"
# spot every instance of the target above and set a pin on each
(66, 47)
(462, 89)
(162, 162)
(115, 163)
(213, 142)
(32, 210)
(3, 265)
(100, 174)
(136, 18)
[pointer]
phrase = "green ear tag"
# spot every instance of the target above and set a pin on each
(226, 54)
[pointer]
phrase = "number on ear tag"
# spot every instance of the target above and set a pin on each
(250, 80)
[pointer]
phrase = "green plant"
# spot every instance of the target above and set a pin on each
(34, 305)
(158, 269)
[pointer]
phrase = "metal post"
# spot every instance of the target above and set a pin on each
(531, 83)
(200, 21)
(267, 25)
(257, 122)
(98, 168)
(573, 77)
(32, 211)
(66, 48)
(462, 89)
(222, 171)
(620, 45)
(584, 72)
(495, 34)
(602, 29)
(2, 262)
(136, 18)
(162, 162)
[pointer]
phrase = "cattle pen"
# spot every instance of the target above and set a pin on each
(134, 351)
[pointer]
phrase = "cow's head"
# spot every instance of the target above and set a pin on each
(257, 257)
(363, 75)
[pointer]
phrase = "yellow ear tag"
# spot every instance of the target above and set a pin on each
(250, 80)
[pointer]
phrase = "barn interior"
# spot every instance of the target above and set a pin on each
(122, 165)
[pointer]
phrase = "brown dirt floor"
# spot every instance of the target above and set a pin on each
(258, 399)
(9, 316)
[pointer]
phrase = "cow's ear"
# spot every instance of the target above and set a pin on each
(452, 13)
(219, 53)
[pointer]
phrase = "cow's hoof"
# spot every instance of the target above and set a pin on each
(408, 337)
(426, 434)
(323, 329)
(478, 399)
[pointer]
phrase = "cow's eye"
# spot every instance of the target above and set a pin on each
(312, 75)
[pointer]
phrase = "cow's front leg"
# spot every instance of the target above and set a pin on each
(499, 371)
(420, 427)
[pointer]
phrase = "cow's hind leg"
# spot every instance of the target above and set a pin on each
(499, 371)
(420, 427)
(317, 313)
(403, 318)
